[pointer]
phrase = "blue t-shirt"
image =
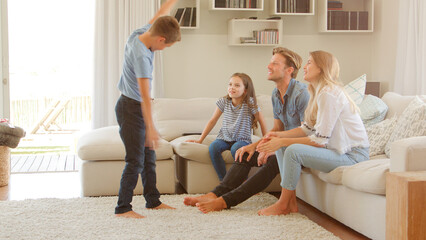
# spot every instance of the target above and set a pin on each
(137, 63)
(296, 99)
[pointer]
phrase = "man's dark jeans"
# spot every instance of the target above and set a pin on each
(139, 159)
(234, 190)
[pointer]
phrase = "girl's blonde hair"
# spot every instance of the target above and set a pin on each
(250, 93)
(329, 77)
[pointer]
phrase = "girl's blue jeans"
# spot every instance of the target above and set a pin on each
(216, 148)
(140, 160)
(292, 158)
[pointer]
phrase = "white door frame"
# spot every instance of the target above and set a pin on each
(4, 62)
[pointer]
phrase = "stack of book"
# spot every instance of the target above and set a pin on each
(246, 40)
(235, 3)
(347, 20)
(187, 17)
(266, 36)
(337, 19)
(293, 6)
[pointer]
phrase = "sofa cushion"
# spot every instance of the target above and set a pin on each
(373, 110)
(334, 177)
(379, 134)
(368, 176)
(176, 117)
(105, 144)
(200, 152)
(356, 89)
(411, 123)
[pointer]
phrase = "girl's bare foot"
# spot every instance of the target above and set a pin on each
(192, 201)
(162, 206)
(212, 205)
(129, 214)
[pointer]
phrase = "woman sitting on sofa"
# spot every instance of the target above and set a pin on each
(332, 134)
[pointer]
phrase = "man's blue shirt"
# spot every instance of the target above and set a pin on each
(291, 112)
(137, 63)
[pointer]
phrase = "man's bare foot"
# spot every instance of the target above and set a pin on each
(129, 214)
(212, 205)
(192, 201)
(162, 206)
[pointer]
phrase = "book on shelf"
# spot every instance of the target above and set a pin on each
(179, 14)
(347, 20)
(266, 36)
(186, 17)
(235, 3)
(194, 17)
(248, 40)
(334, 4)
(363, 20)
(293, 6)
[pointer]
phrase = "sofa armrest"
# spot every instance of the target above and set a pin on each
(408, 154)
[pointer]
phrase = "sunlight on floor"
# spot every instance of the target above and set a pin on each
(44, 185)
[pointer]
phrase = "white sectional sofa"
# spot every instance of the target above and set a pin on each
(353, 195)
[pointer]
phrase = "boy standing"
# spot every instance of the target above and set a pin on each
(133, 110)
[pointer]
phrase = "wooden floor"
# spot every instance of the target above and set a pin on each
(60, 162)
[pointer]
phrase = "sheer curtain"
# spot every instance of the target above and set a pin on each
(115, 21)
(410, 72)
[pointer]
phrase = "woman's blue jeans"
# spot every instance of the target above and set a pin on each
(216, 148)
(140, 160)
(292, 158)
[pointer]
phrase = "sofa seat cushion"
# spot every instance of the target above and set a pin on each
(105, 144)
(334, 177)
(200, 152)
(368, 176)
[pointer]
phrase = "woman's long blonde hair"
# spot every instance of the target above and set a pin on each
(329, 77)
(250, 93)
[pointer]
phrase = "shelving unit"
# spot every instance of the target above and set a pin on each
(238, 28)
(292, 7)
(187, 6)
(231, 5)
(324, 18)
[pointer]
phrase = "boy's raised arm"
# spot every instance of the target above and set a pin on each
(164, 10)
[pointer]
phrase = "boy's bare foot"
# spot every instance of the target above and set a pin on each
(162, 206)
(212, 205)
(130, 214)
(192, 201)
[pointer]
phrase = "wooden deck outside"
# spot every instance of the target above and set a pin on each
(43, 163)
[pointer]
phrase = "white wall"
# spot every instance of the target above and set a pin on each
(200, 65)
(385, 43)
(4, 63)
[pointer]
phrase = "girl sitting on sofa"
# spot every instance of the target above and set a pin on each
(332, 134)
(240, 115)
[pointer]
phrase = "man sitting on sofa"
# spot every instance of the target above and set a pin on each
(289, 100)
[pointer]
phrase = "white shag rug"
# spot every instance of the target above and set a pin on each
(93, 218)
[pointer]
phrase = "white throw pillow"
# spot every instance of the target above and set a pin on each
(379, 134)
(356, 89)
(373, 110)
(411, 123)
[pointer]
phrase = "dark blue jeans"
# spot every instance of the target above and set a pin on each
(216, 148)
(236, 188)
(139, 159)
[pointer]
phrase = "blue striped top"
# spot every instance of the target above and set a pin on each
(236, 123)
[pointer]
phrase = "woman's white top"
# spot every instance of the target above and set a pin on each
(337, 126)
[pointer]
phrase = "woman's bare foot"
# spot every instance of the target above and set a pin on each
(285, 205)
(212, 205)
(192, 201)
(162, 206)
(129, 214)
